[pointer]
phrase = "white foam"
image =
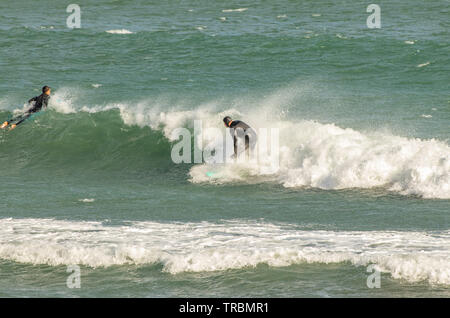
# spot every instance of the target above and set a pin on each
(424, 64)
(204, 246)
(409, 42)
(121, 31)
(426, 116)
(62, 100)
(235, 10)
(86, 200)
(97, 85)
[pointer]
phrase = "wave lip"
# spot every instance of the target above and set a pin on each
(197, 247)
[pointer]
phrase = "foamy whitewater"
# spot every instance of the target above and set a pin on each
(196, 247)
(311, 154)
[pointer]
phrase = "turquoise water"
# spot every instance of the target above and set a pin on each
(364, 177)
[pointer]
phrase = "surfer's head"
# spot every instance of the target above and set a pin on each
(46, 90)
(227, 121)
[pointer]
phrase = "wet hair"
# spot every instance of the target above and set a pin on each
(227, 120)
(45, 88)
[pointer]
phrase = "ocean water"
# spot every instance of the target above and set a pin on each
(363, 117)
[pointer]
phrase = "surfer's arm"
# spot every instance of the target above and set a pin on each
(31, 104)
(33, 99)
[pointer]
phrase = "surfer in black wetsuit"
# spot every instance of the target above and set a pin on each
(37, 103)
(240, 130)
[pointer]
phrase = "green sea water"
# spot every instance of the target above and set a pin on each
(364, 177)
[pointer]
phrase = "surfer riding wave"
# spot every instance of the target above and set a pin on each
(241, 131)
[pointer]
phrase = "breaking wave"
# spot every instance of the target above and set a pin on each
(205, 246)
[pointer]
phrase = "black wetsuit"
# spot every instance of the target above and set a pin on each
(239, 129)
(40, 102)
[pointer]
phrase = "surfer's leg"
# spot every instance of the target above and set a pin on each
(247, 142)
(20, 119)
(250, 143)
(10, 121)
(23, 119)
